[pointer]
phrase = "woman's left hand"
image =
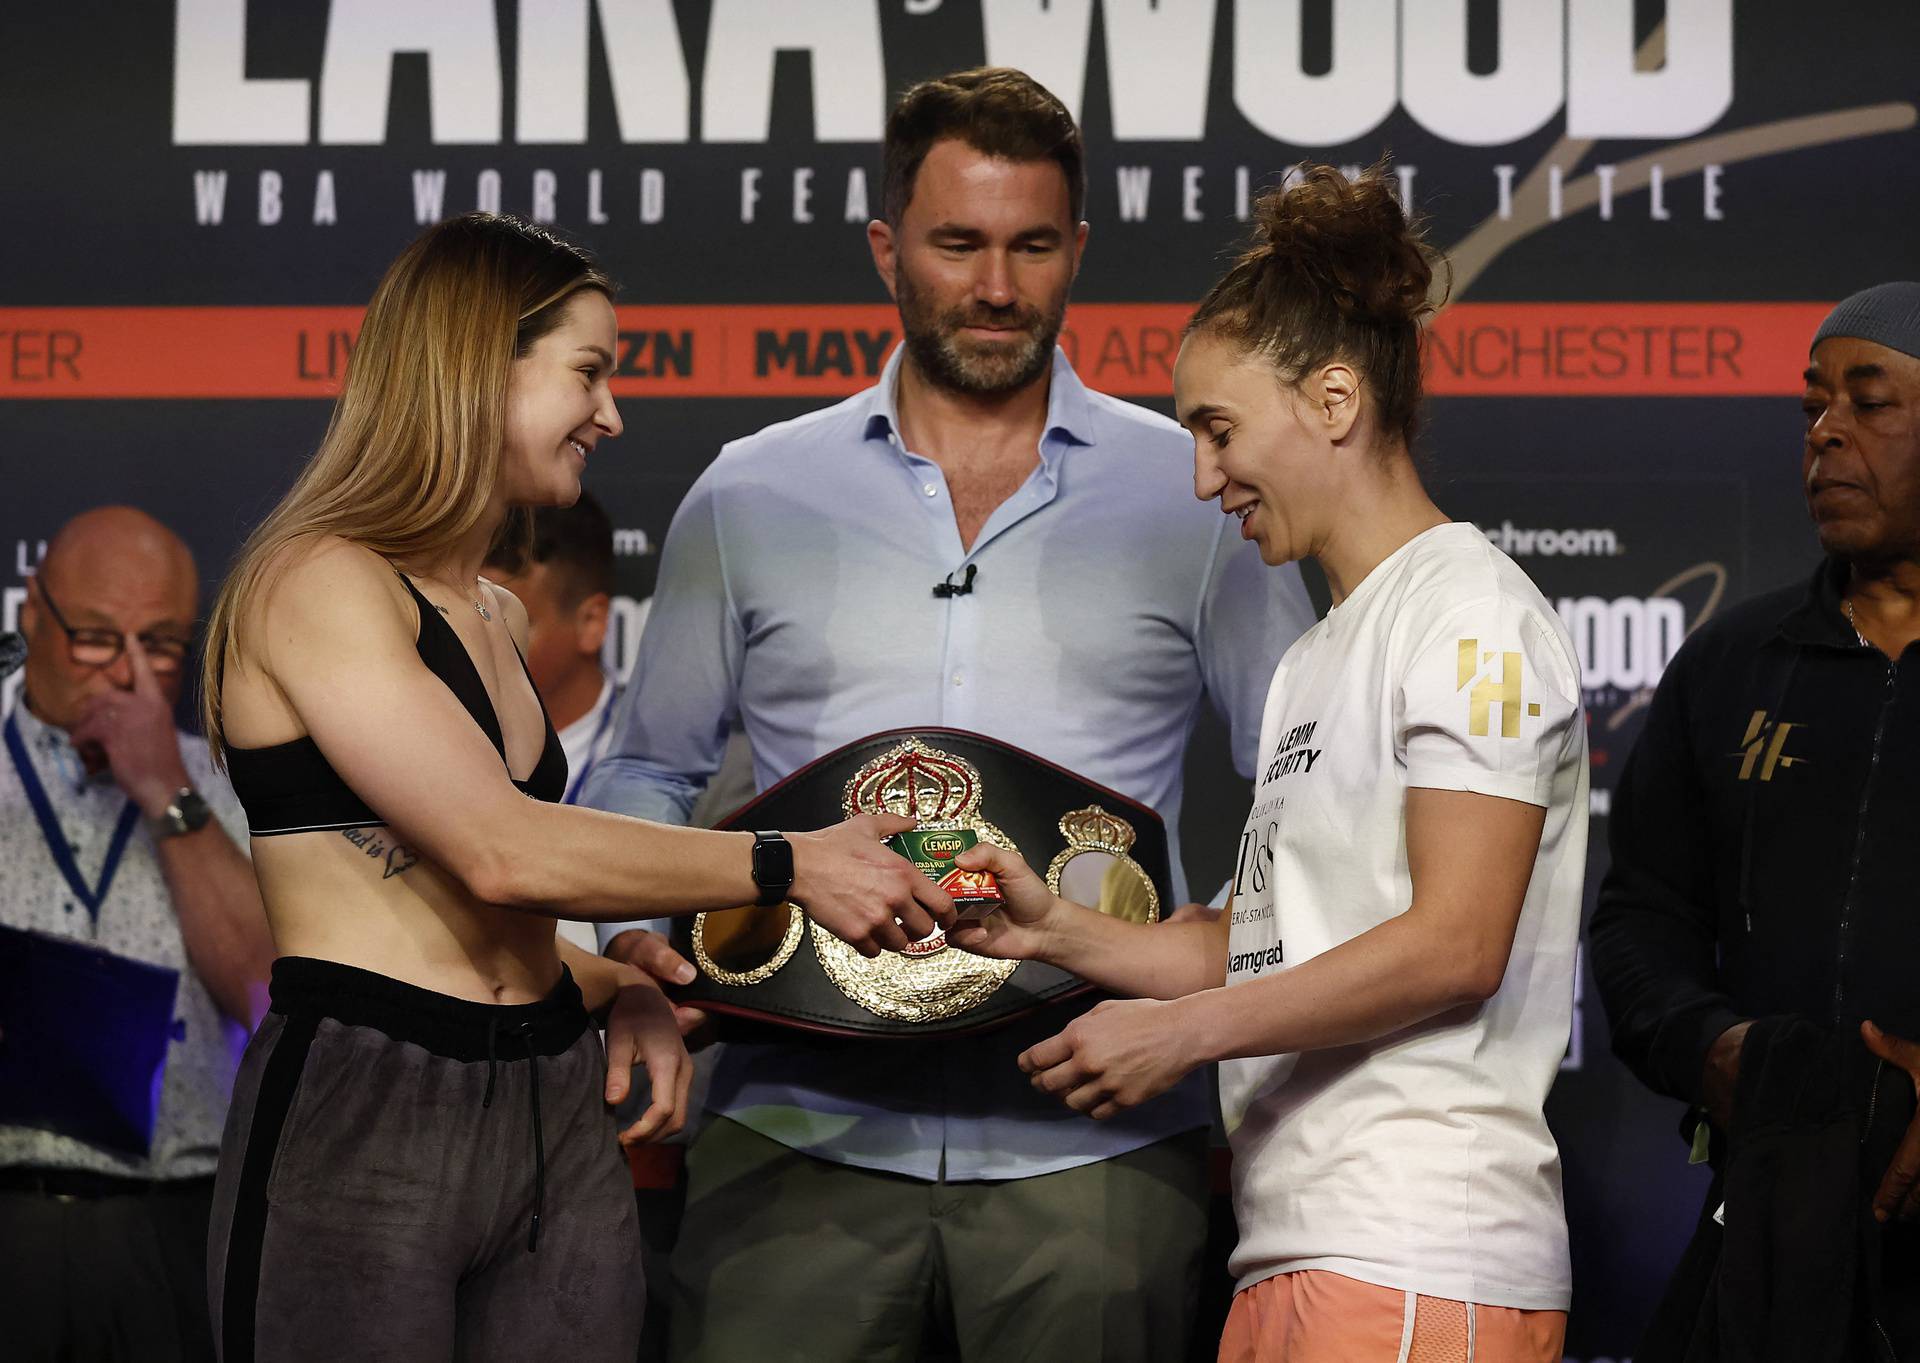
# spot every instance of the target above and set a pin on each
(1116, 1056)
(642, 1030)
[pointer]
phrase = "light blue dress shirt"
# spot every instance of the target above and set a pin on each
(795, 597)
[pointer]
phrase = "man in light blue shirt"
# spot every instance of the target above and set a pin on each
(854, 1192)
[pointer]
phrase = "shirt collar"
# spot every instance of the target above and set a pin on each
(1069, 412)
(1819, 618)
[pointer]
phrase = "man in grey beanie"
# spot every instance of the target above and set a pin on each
(1757, 942)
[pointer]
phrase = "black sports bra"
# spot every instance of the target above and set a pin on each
(291, 788)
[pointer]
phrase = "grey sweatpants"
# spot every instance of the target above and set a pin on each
(408, 1176)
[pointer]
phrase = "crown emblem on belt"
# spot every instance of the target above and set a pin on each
(919, 782)
(1094, 829)
(926, 982)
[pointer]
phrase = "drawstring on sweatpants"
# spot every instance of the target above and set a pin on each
(524, 1031)
(539, 1144)
(493, 1028)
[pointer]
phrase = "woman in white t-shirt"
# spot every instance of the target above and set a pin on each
(1390, 993)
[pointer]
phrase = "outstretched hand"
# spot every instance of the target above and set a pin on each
(1898, 1197)
(862, 891)
(1017, 930)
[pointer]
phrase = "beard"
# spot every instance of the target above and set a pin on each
(953, 362)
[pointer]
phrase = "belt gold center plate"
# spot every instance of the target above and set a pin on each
(1109, 853)
(927, 982)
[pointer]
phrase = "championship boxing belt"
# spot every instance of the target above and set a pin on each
(774, 965)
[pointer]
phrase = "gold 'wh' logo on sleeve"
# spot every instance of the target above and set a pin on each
(1765, 747)
(1487, 692)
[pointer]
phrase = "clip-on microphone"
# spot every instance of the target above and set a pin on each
(950, 588)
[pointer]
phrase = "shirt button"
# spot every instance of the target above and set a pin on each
(931, 489)
(956, 679)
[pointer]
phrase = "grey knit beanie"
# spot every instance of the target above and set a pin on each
(1886, 314)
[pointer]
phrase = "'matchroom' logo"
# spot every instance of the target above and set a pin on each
(1553, 541)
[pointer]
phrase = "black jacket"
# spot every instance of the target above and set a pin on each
(1765, 837)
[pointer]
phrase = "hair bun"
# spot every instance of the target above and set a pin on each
(1335, 270)
(1349, 237)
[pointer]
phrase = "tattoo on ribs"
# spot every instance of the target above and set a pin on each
(395, 860)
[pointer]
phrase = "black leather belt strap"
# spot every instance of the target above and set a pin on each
(1021, 796)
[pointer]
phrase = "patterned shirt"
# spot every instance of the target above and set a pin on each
(136, 921)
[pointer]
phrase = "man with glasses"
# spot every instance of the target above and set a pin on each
(133, 949)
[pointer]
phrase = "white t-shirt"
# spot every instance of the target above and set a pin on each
(1420, 1161)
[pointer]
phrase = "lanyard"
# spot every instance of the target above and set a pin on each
(56, 840)
(593, 748)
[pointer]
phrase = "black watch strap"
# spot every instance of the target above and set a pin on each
(772, 867)
(187, 812)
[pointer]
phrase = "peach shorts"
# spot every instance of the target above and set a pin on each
(1314, 1316)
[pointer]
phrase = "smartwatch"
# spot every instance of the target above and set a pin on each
(186, 813)
(772, 867)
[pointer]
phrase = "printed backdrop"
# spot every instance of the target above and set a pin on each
(1649, 205)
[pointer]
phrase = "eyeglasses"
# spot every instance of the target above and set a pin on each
(95, 646)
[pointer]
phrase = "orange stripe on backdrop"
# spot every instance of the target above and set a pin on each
(829, 350)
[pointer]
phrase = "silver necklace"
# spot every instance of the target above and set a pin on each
(485, 614)
(1846, 604)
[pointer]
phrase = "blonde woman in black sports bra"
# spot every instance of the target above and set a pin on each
(420, 1162)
